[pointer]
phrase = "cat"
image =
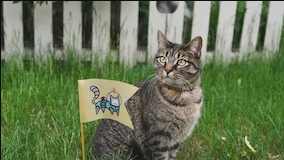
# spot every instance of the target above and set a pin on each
(113, 105)
(164, 111)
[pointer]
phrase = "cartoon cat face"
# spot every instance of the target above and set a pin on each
(114, 101)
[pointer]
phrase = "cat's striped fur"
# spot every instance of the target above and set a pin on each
(164, 111)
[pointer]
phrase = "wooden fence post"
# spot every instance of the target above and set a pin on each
(13, 29)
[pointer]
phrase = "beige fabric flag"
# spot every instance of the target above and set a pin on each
(104, 99)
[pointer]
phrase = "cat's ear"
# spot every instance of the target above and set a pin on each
(163, 42)
(195, 46)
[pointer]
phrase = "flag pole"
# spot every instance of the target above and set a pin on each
(82, 140)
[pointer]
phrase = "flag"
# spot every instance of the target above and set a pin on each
(104, 99)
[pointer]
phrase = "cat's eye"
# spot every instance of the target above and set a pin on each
(181, 62)
(162, 59)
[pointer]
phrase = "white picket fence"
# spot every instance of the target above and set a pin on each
(72, 17)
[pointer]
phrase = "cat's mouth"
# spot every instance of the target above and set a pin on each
(175, 82)
(168, 78)
(170, 83)
(165, 74)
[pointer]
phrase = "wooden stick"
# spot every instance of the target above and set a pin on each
(82, 140)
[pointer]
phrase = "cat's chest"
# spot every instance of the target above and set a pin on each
(162, 114)
(182, 116)
(185, 121)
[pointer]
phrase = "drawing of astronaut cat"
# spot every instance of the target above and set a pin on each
(113, 104)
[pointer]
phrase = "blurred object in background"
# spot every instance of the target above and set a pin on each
(167, 6)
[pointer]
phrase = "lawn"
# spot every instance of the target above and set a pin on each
(40, 111)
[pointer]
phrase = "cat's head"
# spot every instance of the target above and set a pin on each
(114, 100)
(178, 66)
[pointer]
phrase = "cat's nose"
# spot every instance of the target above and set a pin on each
(168, 68)
(168, 71)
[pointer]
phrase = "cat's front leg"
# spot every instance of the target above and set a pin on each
(155, 150)
(160, 155)
(173, 152)
(157, 145)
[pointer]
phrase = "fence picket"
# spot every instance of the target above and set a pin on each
(72, 17)
(200, 23)
(128, 31)
(225, 30)
(174, 24)
(274, 27)
(101, 29)
(43, 37)
(156, 22)
(250, 27)
(13, 28)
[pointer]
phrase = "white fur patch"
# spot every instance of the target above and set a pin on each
(171, 75)
(185, 95)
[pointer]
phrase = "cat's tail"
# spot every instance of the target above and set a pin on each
(96, 91)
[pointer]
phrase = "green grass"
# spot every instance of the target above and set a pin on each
(40, 112)
(254, 109)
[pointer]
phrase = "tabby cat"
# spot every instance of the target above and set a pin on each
(164, 110)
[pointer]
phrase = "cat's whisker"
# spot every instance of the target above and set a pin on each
(191, 86)
(153, 83)
(180, 85)
(153, 76)
(176, 78)
(185, 84)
